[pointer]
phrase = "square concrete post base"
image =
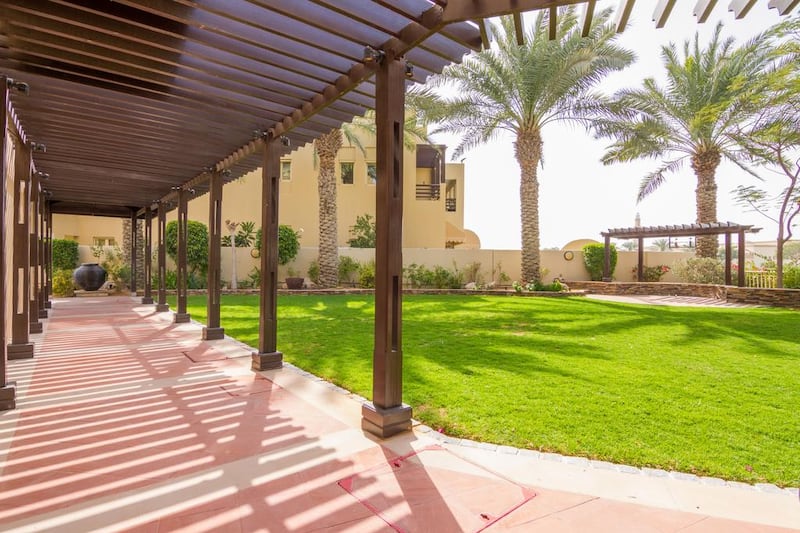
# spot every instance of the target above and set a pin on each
(162, 308)
(147, 300)
(36, 327)
(20, 351)
(267, 361)
(42, 313)
(213, 334)
(8, 396)
(48, 304)
(384, 423)
(181, 318)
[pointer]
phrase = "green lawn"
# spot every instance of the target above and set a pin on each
(712, 391)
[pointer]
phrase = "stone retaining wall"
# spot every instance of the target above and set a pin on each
(746, 295)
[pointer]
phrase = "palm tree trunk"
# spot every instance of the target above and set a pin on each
(327, 146)
(705, 166)
(528, 152)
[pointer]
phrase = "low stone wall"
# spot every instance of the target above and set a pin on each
(746, 295)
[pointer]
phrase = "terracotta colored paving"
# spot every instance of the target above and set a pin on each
(128, 422)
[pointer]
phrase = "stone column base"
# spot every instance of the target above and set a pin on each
(36, 327)
(42, 313)
(48, 304)
(147, 300)
(180, 318)
(8, 396)
(20, 351)
(212, 334)
(162, 308)
(385, 422)
(267, 361)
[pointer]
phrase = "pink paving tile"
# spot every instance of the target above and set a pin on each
(721, 525)
(410, 496)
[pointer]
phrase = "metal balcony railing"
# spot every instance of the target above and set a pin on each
(428, 191)
(450, 204)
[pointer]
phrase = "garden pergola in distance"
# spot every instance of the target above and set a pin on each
(680, 230)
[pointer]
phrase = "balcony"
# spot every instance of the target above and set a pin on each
(450, 204)
(428, 191)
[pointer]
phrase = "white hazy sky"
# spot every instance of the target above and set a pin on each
(580, 197)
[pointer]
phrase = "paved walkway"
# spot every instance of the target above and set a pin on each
(128, 422)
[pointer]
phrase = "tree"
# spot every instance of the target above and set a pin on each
(326, 148)
(692, 118)
(773, 139)
(521, 89)
(661, 244)
(196, 245)
(363, 232)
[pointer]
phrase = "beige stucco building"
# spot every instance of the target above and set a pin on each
(433, 200)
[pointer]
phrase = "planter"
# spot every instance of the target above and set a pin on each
(295, 283)
(89, 276)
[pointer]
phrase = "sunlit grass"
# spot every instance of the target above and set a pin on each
(706, 390)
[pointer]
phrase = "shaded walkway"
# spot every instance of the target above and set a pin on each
(127, 421)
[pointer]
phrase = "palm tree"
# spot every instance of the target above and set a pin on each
(693, 118)
(520, 89)
(326, 148)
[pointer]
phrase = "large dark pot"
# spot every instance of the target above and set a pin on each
(295, 283)
(89, 276)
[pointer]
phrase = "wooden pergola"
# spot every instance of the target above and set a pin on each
(681, 230)
(129, 108)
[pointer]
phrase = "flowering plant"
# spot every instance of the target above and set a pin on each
(654, 273)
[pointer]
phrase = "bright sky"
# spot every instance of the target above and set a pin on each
(579, 197)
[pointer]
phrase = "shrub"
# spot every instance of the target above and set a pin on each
(313, 272)
(594, 258)
(62, 282)
(700, 270)
(288, 243)
(197, 245)
(347, 267)
(791, 277)
(254, 277)
(366, 275)
(651, 273)
(363, 232)
(538, 286)
(65, 254)
(245, 234)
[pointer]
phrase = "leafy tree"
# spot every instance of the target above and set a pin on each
(594, 257)
(693, 118)
(196, 245)
(363, 232)
(629, 245)
(245, 235)
(661, 244)
(288, 243)
(520, 89)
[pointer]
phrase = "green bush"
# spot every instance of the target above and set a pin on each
(62, 282)
(288, 243)
(594, 259)
(705, 270)
(419, 276)
(347, 268)
(65, 254)
(363, 232)
(791, 277)
(366, 275)
(313, 272)
(197, 245)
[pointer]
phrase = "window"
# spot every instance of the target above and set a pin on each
(372, 173)
(286, 170)
(104, 241)
(347, 172)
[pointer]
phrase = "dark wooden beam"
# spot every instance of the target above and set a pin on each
(662, 12)
(741, 8)
(387, 415)
(182, 267)
(162, 305)
(268, 357)
(35, 205)
(21, 347)
(784, 7)
(703, 9)
(148, 256)
(586, 18)
(42, 278)
(213, 330)
(623, 14)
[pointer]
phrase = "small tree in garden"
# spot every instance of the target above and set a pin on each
(288, 243)
(196, 249)
(594, 258)
(363, 232)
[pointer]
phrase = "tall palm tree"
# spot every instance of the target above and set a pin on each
(520, 89)
(326, 148)
(693, 118)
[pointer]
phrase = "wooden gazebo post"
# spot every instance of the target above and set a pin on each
(33, 226)
(268, 357)
(182, 268)
(133, 250)
(741, 280)
(148, 256)
(387, 415)
(213, 330)
(727, 258)
(8, 392)
(162, 305)
(21, 347)
(607, 259)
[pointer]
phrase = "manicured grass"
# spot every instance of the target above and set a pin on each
(711, 391)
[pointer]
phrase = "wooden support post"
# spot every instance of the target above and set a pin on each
(387, 415)
(8, 392)
(133, 251)
(48, 304)
(741, 280)
(181, 285)
(33, 315)
(162, 306)
(728, 259)
(148, 256)
(268, 357)
(607, 260)
(213, 330)
(21, 347)
(42, 255)
(640, 269)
